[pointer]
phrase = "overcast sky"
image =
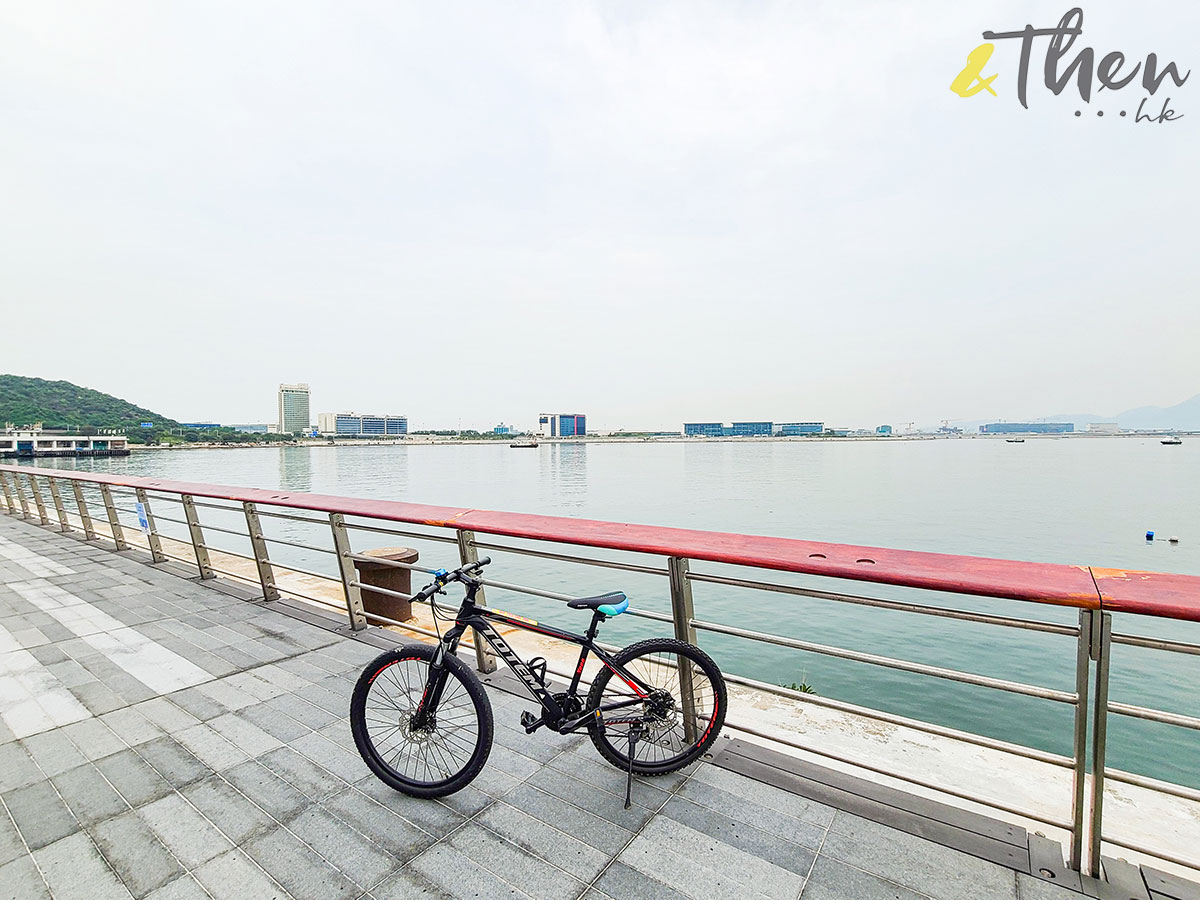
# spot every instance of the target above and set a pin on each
(646, 212)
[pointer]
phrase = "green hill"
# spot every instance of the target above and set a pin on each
(60, 404)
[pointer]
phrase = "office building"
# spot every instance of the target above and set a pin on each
(884, 429)
(793, 429)
(348, 424)
(504, 429)
(562, 424)
(200, 426)
(1103, 428)
(294, 416)
(1027, 428)
(252, 428)
(703, 429)
(34, 443)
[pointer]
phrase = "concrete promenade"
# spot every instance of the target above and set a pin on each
(164, 738)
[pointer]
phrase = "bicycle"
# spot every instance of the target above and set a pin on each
(423, 723)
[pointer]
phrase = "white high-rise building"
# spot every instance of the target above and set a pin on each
(293, 409)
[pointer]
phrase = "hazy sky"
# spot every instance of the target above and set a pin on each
(647, 212)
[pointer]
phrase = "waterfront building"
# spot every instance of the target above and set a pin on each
(752, 429)
(254, 428)
(1104, 428)
(562, 424)
(34, 442)
(200, 426)
(703, 429)
(294, 416)
(792, 429)
(349, 424)
(504, 429)
(884, 429)
(1027, 428)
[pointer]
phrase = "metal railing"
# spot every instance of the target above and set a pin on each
(1096, 593)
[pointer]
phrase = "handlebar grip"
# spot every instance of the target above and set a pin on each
(480, 563)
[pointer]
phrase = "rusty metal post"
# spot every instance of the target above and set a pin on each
(341, 544)
(36, 490)
(156, 551)
(197, 535)
(114, 522)
(469, 553)
(1083, 658)
(89, 531)
(258, 544)
(63, 524)
(681, 618)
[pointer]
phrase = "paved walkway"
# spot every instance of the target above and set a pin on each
(159, 738)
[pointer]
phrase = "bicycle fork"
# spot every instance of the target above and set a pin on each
(426, 713)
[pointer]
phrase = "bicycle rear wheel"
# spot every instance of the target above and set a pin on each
(429, 758)
(676, 733)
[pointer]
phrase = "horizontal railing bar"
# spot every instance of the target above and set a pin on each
(375, 617)
(899, 606)
(319, 601)
(415, 535)
(278, 565)
(566, 557)
(291, 517)
(1153, 643)
(933, 786)
(399, 595)
(1153, 784)
(1157, 854)
(206, 527)
(297, 544)
(565, 598)
(967, 737)
(1154, 715)
(1013, 687)
(394, 563)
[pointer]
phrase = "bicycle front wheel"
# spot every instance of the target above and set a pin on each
(678, 726)
(437, 755)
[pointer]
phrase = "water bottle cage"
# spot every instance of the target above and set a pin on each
(537, 668)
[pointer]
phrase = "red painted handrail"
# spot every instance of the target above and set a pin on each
(1117, 590)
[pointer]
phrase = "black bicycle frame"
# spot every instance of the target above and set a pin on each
(480, 618)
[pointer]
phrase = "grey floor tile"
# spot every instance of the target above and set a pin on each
(244, 734)
(11, 845)
(234, 876)
(226, 807)
(74, 870)
(20, 880)
(395, 834)
(591, 829)
(134, 778)
(620, 881)
(183, 888)
(733, 831)
(53, 752)
(834, 880)
(211, 748)
(574, 856)
(921, 865)
(273, 794)
(304, 874)
(88, 795)
(302, 773)
(512, 864)
(765, 795)
(1030, 888)
(94, 739)
(435, 818)
(187, 834)
(444, 872)
(135, 854)
(601, 803)
(363, 862)
(17, 768)
(799, 831)
(275, 723)
(174, 763)
(40, 815)
(131, 726)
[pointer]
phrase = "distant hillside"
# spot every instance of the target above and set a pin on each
(1183, 416)
(60, 404)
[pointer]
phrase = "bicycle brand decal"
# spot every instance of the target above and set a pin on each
(514, 616)
(1082, 68)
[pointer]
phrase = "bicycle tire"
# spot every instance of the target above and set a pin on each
(708, 726)
(455, 755)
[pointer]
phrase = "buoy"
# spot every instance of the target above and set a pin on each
(1172, 540)
(1149, 535)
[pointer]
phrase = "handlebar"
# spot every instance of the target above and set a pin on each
(442, 577)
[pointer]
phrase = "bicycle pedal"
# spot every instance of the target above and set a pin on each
(529, 723)
(537, 667)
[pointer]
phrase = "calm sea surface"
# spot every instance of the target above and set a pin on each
(1087, 501)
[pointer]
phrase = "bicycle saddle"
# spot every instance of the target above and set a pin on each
(611, 604)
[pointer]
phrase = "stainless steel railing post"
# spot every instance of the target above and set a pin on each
(16, 480)
(469, 553)
(197, 535)
(681, 618)
(1102, 653)
(63, 524)
(38, 499)
(8, 499)
(341, 544)
(1083, 658)
(258, 543)
(114, 522)
(152, 538)
(89, 530)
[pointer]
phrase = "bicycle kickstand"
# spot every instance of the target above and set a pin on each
(635, 733)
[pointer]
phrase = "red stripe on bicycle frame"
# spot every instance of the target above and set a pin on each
(637, 690)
